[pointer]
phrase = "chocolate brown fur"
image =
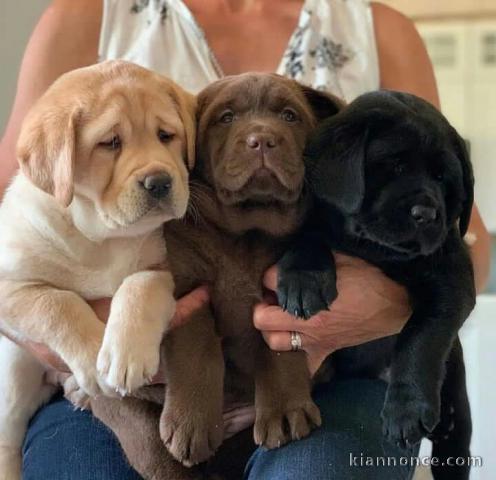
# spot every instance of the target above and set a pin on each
(247, 199)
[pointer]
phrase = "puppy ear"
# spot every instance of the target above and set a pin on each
(468, 183)
(323, 104)
(334, 159)
(187, 111)
(46, 149)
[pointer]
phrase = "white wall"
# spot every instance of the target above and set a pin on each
(17, 19)
(443, 8)
(468, 96)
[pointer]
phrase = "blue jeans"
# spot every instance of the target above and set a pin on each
(63, 444)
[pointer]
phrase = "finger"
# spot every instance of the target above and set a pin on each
(159, 377)
(241, 419)
(54, 377)
(273, 317)
(281, 341)
(238, 412)
(101, 307)
(189, 304)
(270, 278)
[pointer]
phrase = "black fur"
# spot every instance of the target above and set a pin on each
(394, 185)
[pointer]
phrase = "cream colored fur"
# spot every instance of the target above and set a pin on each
(76, 224)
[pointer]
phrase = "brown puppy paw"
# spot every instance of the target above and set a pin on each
(275, 427)
(191, 438)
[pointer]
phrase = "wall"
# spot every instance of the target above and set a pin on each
(443, 8)
(17, 19)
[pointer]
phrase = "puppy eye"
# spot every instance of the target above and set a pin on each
(227, 117)
(164, 137)
(289, 115)
(113, 144)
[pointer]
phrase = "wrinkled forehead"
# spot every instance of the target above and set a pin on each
(255, 93)
(425, 144)
(134, 106)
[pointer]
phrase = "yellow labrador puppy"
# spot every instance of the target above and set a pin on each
(104, 158)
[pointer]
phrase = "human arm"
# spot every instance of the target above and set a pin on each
(65, 38)
(185, 306)
(369, 306)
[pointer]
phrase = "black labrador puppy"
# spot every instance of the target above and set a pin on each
(395, 187)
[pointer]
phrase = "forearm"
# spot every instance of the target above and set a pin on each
(480, 249)
(65, 38)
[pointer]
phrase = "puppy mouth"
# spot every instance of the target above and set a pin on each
(260, 203)
(262, 190)
(412, 246)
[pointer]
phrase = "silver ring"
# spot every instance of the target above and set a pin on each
(295, 341)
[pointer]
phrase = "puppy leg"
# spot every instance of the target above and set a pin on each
(191, 425)
(22, 392)
(306, 281)
(451, 438)
(140, 313)
(135, 423)
(413, 398)
(62, 321)
(284, 407)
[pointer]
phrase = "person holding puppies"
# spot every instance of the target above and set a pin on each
(345, 48)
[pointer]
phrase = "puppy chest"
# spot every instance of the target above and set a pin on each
(119, 260)
(238, 287)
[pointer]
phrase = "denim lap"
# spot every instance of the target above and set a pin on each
(66, 444)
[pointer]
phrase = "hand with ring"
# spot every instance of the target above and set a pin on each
(369, 306)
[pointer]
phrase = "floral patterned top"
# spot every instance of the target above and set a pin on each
(332, 48)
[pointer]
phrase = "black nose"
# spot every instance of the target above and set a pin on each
(259, 141)
(423, 214)
(158, 186)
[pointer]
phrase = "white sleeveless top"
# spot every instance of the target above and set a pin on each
(332, 48)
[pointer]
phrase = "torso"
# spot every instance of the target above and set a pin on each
(258, 37)
(326, 44)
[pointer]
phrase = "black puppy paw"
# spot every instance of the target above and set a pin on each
(446, 424)
(408, 416)
(305, 293)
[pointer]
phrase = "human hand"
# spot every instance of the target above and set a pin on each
(58, 371)
(369, 306)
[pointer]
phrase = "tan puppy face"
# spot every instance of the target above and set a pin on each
(118, 138)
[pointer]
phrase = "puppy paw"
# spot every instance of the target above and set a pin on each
(10, 463)
(274, 428)
(83, 368)
(191, 438)
(75, 394)
(408, 416)
(307, 292)
(127, 362)
(444, 429)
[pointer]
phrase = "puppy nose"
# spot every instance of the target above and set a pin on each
(259, 141)
(423, 214)
(158, 186)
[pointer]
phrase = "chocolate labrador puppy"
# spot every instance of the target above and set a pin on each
(395, 187)
(248, 199)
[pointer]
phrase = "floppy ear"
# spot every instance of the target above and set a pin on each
(468, 183)
(187, 111)
(323, 104)
(46, 149)
(334, 159)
